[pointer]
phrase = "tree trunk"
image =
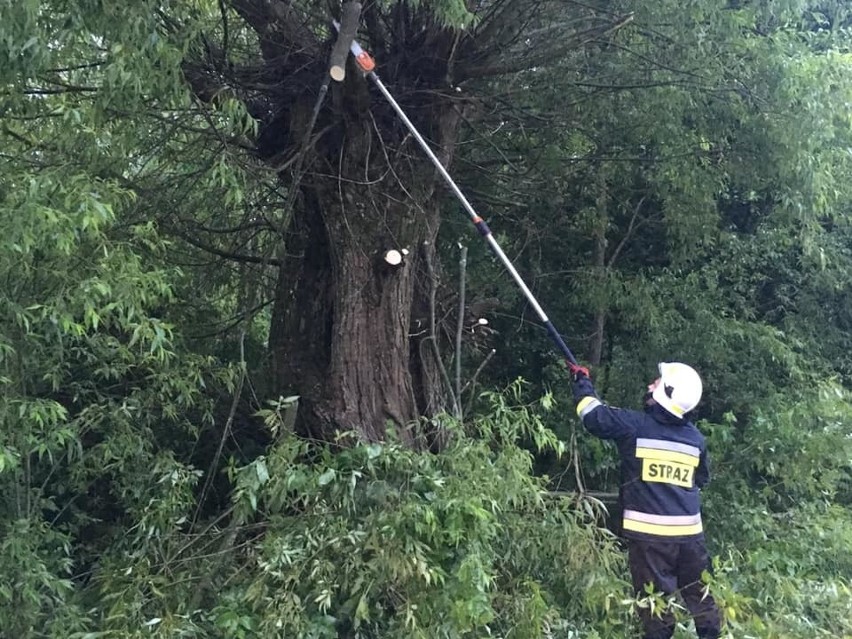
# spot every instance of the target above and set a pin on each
(349, 334)
(341, 334)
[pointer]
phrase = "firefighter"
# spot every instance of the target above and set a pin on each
(663, 465)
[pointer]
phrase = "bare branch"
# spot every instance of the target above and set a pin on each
(506, 62)
(460, 326)
(631, 227)
(282, 31)
(236, 257)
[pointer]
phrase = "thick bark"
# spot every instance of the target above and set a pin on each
(342, 334)
(368, 380)
(342, 319)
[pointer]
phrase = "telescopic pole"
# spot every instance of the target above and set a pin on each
(367, 65)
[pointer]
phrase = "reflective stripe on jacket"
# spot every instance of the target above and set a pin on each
(663, 464)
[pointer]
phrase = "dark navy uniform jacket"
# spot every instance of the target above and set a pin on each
(663, 464)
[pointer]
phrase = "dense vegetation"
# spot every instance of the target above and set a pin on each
(187, 281)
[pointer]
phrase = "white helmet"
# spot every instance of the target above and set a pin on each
(679, 390)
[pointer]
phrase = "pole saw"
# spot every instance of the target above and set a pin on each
(367, 66)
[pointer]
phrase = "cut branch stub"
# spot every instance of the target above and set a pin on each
(350, 14)
(393, 257)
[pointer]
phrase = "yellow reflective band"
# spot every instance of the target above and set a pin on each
(677, 410)
(661, 529)
(667, 455)
(587, 404)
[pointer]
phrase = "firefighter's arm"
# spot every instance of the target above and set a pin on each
(598, 418)
(702, 473)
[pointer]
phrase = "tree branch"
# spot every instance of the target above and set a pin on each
(237, 257)
(631, 227)
(503, 62)
(279, 28)
(460, 327)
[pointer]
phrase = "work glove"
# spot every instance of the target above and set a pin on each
(578, 371)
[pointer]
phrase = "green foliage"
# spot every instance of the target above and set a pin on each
(452, 13)
(101, 400)
(780, 488)
(376, 540)
(368, 540)
(786, 574)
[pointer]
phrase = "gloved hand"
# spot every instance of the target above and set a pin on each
(577, 371)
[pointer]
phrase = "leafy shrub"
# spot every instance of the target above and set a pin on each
(376, 540)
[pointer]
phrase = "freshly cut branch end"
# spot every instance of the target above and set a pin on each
(349, 15)
(393, 257)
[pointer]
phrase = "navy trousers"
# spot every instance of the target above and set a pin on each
(674, 568)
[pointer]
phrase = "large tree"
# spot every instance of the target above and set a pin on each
(352, 337)
(288, 198)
